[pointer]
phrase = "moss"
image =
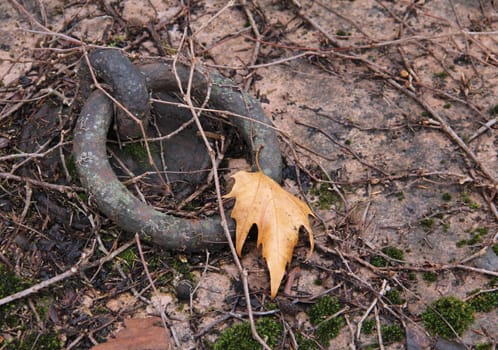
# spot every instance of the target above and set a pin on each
(429, 276)
(412, 276)
(305, 343)
(71, 166)
(239, 337)
(368, 326)
(454, 311)
(483, 346)
(474, 205)
(495, 248)
(400, 195)
(493, 110)
(461, 243)
(441, 75)
(138, 152)
(474, 240)
(378, 261)
(326, 197)
(481, 231)
(34, 340)
(271, 306)
(446, 226)
(446, 197)
(484, 302)
(393, 253)
(427, 223)
(129, 256)
(447, 105)
(320, 313)
(394, 296)
(468, 201)
(465, 198)
(342, 32)
(392, 333)
(10, 284)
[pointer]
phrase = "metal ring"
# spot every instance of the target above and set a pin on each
(114, 199)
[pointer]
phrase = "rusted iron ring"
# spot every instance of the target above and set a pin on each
(114, 199)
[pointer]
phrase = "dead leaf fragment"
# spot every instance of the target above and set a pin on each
(139, 334)
(277, 214)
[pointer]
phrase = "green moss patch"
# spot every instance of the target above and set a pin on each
(326, 197)
(484, 302)
(448, 310)
(392, 252)
(394, 296)
(392, 333)
(239, 336)
(368, 326)
(320, 314)
(34, 340)
(429, 276)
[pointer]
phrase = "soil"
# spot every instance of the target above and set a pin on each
(386, 114)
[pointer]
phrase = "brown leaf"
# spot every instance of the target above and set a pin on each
(278, 216)
(139, 334)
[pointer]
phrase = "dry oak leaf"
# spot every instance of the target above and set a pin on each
(277, 214)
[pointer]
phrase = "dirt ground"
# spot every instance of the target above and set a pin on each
(386, 114)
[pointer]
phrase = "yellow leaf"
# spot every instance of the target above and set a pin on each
(277, 214)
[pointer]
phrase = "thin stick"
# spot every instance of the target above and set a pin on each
(160, 308)
(60, 188)
(212, 155)
(81, 266)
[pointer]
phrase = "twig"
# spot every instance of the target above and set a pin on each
(483, 129)
(203, 275)
(379, 332)
(257, 44)
(60, 188)
(382, 292)
(447, 129)
(80, 266)
(212, 155)
(160, 308)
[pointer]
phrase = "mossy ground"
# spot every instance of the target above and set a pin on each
(239, 337)
(326, 327)
(448, 310)
(12, 319)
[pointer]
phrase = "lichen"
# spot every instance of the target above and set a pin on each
(448, 310)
